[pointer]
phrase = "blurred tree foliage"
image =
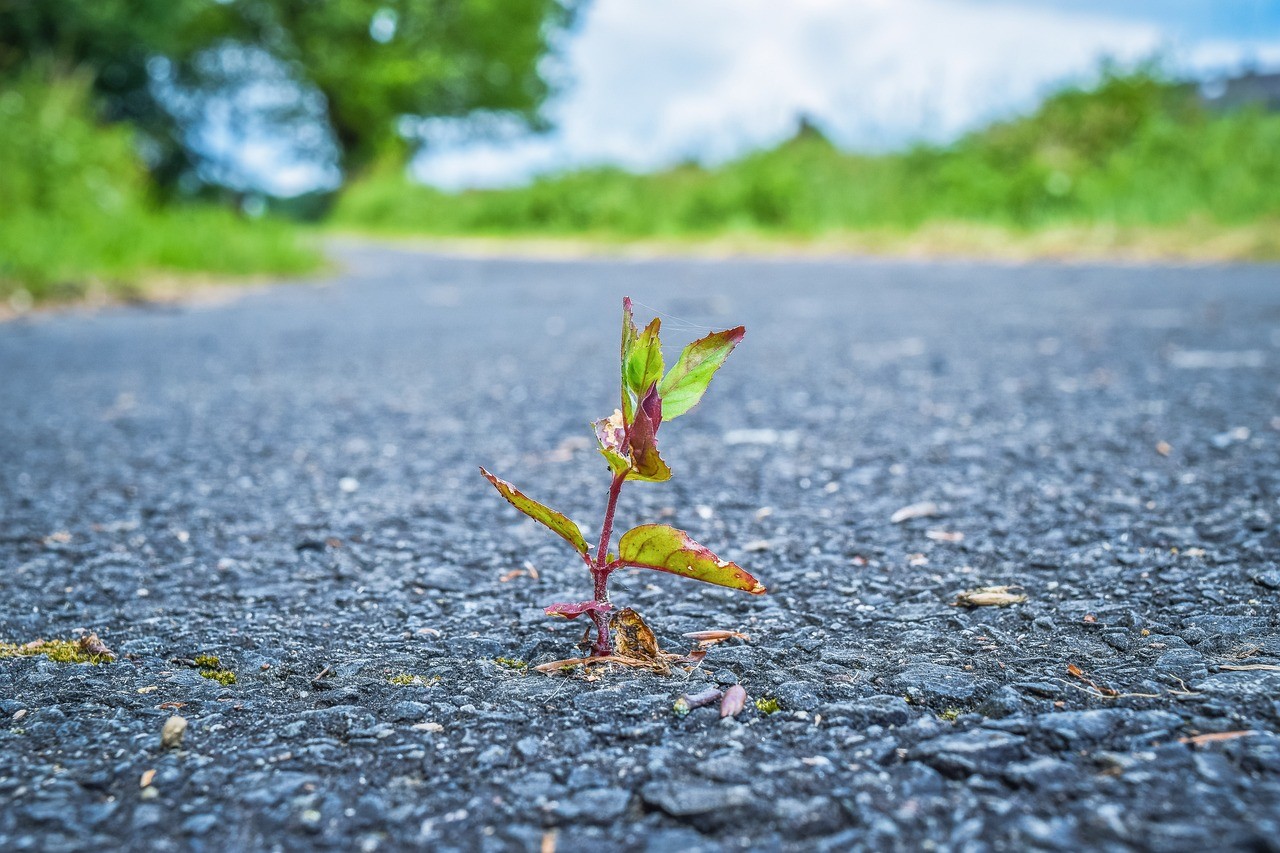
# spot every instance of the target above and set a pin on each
(372, 61)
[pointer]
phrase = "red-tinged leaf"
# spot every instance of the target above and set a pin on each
(643, 438)
(666, 549)
(735, 698)
(644, 430)
(683, 386)
(556, 522)
(576, 609)
(644, 365)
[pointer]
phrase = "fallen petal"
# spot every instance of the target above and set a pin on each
(734, 700)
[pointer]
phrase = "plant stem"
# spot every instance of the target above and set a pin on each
(601, 570)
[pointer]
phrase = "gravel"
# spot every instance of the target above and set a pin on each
(288, 482)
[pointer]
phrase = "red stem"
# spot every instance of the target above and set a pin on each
(602, 568)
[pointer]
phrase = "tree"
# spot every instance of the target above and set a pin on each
(372, 61)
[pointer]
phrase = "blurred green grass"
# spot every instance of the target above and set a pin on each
(77, 216)
(1133, 165)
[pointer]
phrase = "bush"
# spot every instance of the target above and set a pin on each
(76, 208)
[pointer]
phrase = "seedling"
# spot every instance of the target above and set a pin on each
(628, 441)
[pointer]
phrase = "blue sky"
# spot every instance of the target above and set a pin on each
(653, 82)
(658, 81)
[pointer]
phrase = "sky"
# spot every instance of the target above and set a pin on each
(649, 83)
(654, 82)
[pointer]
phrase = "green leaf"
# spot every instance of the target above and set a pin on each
(555, 521)
(682, 388)
(644, 365)
(629, 335)
(648, 466)
(617, 462)
(666, 549)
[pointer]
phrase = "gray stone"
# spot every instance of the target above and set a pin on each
(704, 805)
(927, 682)
(884, 710)
(970, 752)
(594, 805)
(1072, 729)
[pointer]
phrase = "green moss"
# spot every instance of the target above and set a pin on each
(60, 651)
(950, 715)
(222, 676)
(768, 706)
(512, 663)
(211, 668)
(404, 679)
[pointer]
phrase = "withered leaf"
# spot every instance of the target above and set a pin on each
(707, 638)
(91, 645)
(923, 509)
(989, 596)
(632, 638)
(735, 698)
(689, 701)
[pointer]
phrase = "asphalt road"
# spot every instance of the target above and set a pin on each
(288, 481)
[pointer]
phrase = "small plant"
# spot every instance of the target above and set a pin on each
(628, 440)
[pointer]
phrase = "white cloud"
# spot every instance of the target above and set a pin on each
(658, 81)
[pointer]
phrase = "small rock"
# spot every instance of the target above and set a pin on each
(1075, 728)
(594, 805)
(980, 750)
(926, 682)
(873, 711)
(174, 729)
(707, 806)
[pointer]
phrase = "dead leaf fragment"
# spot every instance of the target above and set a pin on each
(1104, 692)
(989, 596)
(1248, 667)
(923, 509)
(944, 535)
(1215, 737)
(689, 701)
(93, 646)
(434, 728)
(708, 638)
(735, 698)
(1163, 448)
(148, 776)
(171, 735)
(632, 638)
(150, 689)
(756, 545)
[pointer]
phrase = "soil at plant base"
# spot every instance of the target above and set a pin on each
(288, 483)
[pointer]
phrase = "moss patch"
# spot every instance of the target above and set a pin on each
(512, 663)
(85, 650)
(211, 668)
(768, 706)
(404, 679)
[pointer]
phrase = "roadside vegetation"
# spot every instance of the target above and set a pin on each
(79, 216)
(1132, 166)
